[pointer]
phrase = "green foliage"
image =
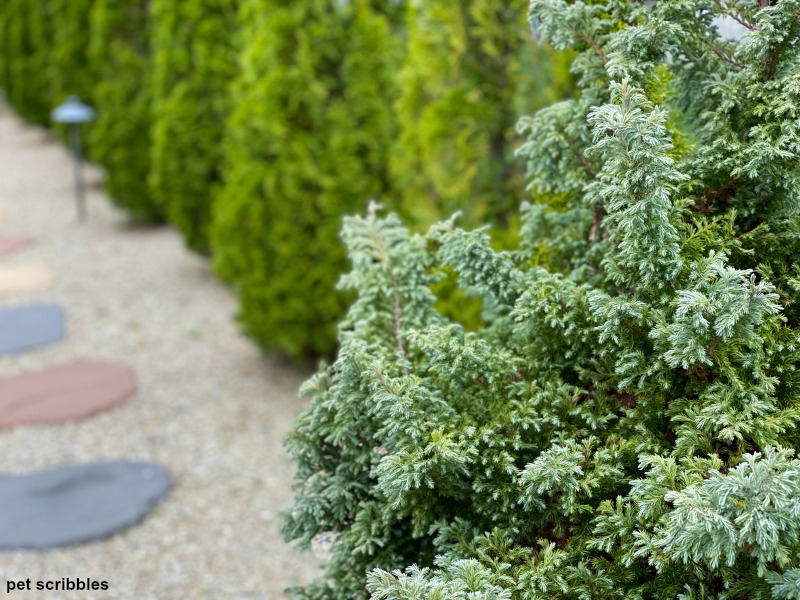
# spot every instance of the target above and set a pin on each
(69, 58)
(194, 59)
(306, 143)
(27, 27)
(625, 423)
(43, 55)
(120, 60)
(471, 68)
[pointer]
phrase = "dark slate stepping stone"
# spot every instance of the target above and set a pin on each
(64, 393)
(76, 504)
(26, 327)
(12, 244)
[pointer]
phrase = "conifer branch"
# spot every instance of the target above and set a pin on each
(594, 232)
(396, 303)
(594, 45)
(736, 17)
(773, 61)
(582, 157)
(728, 59)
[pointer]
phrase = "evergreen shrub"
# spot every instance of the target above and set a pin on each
(25, 47)
(307, 141)
(194, 60)
(625, 425)
(69, 58)
(471, 68)
(119, 56)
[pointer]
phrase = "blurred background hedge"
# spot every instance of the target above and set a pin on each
(255, 125)
(121, 64)
(195, 57)
(308, 141)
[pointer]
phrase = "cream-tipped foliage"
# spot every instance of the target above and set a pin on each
(625, 425)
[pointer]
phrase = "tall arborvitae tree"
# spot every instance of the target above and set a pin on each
(69, 59)
(307, 142)
(70, 73)
(626, 423)
(194, 45)
(471, 68)
(26, 44)
(119, 53)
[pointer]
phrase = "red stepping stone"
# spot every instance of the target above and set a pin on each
(12, 244)
(64, 393)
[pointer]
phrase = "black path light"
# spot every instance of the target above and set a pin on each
(72, 113)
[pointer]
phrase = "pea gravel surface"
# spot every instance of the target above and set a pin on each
(209, 407)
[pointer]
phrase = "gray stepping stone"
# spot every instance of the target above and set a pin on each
(26, 327)
(76, 504)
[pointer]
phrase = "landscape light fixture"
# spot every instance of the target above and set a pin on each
(72, 113)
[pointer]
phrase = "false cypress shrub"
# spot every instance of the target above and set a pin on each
(307, 142)
(194, 60)
(626, 423)
(119, 56)
(471, 68)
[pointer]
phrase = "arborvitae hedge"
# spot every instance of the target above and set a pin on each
(119, 55)
(307, 142)
(626, 423)
(69, 57)
(194, 45)
(27, 40)
(472, 67)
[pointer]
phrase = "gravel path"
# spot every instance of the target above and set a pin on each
(208, 407)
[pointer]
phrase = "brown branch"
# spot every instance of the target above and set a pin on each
(705, 203)
(594, 45)
(396, 308)
(599, 213)
(398, 326)
(736, 17)
(770, 72)
(728, 59)
(584, 161)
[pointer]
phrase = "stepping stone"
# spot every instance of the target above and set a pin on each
(26, 327)
(64, 393)
(24, 278)
(79, 503)
(12, 244)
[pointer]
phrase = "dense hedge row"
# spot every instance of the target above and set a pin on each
(119, 56)
(70, 49)
(26, 49)
(255, 125)
(307, 143)
(466, 63)
(194, 45)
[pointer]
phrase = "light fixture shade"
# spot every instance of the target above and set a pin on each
(72, 111)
